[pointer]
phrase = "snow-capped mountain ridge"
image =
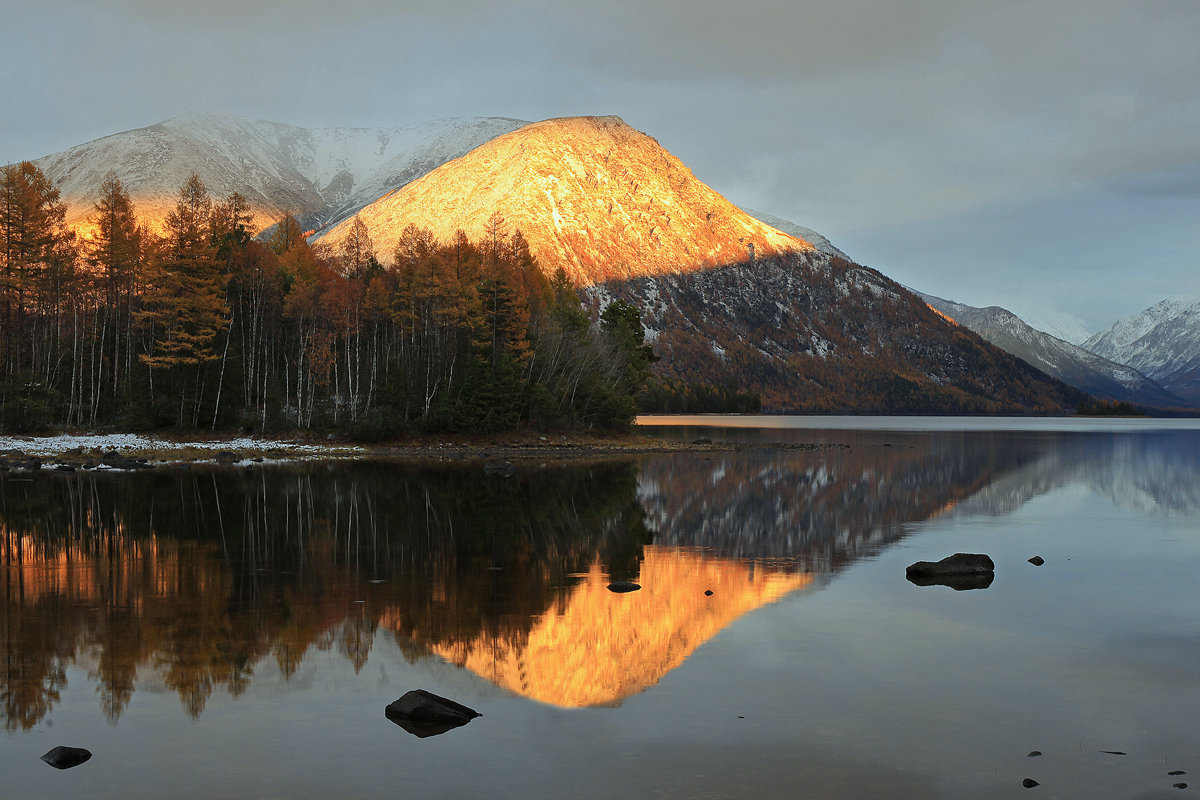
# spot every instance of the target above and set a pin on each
(1163, 342)
(1080, 368)
(318, 174)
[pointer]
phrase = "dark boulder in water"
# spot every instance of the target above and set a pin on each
(959, 571)
(66, 757)
(957, 564)
(1037, 561)
(623, 586)
(424, 714)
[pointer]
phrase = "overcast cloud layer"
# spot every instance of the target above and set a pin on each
(1038, 154)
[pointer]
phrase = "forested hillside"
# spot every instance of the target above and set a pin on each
(206, 328)
(813, 333)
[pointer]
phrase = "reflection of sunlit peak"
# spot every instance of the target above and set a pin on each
(597, 648)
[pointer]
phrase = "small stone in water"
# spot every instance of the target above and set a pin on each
(1037, 561)
(708, 592)
(1179, 785)
(1033, 753)
(1113, 752)
(66, 757)
(623, 586)
(1029, 783)
(1177, 772)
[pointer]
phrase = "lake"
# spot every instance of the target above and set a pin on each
(237, 632)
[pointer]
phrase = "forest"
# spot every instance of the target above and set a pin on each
(203, 326)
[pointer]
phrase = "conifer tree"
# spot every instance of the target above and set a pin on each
(31, 239)
(185, 306)
(114, 256)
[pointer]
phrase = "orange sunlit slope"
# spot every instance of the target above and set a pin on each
(599, 647)
(590, 194)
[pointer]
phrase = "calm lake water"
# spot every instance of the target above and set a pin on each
(231, 632)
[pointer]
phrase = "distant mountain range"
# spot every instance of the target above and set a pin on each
(1081, 368)
(727, 295)
(1163, 342)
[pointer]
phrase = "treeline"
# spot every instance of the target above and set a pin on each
(205, 326)
(673, 396)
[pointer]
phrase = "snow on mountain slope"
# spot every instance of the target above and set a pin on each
(1163, 342)
(799, 231)
(1059, 325)
(1058, 358)
(590, 194)
(318, 174)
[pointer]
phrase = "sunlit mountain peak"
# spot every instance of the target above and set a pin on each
(590, 194)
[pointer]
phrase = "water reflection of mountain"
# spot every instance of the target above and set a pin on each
(821, 510)
(196, 578)
(597, 648)
(1154, 472)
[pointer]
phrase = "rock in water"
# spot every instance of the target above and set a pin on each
(1029, 783)
(66, 757)
(1037, 561)
(957, 564)
(424, 714)
(624, 586)
(959, 571)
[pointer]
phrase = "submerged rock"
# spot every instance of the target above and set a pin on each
(624, 586)
(227, 457)
(424, 714)
(504, 469)
(66, 757)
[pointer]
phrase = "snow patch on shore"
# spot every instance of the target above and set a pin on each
(55, 445)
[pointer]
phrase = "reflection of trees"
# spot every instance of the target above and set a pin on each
(200, 575)
(205, 576)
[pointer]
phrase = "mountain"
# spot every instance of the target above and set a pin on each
(1080, 368)
(1162, 342)
(320, 174)
(1060, 326)
(725, 298)
(812, 333)
(590, 194)
(800, 232)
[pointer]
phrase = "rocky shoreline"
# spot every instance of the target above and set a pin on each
(85, 451)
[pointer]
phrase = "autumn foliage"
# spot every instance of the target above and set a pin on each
(206, 327)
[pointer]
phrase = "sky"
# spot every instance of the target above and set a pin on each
(1043, 155)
